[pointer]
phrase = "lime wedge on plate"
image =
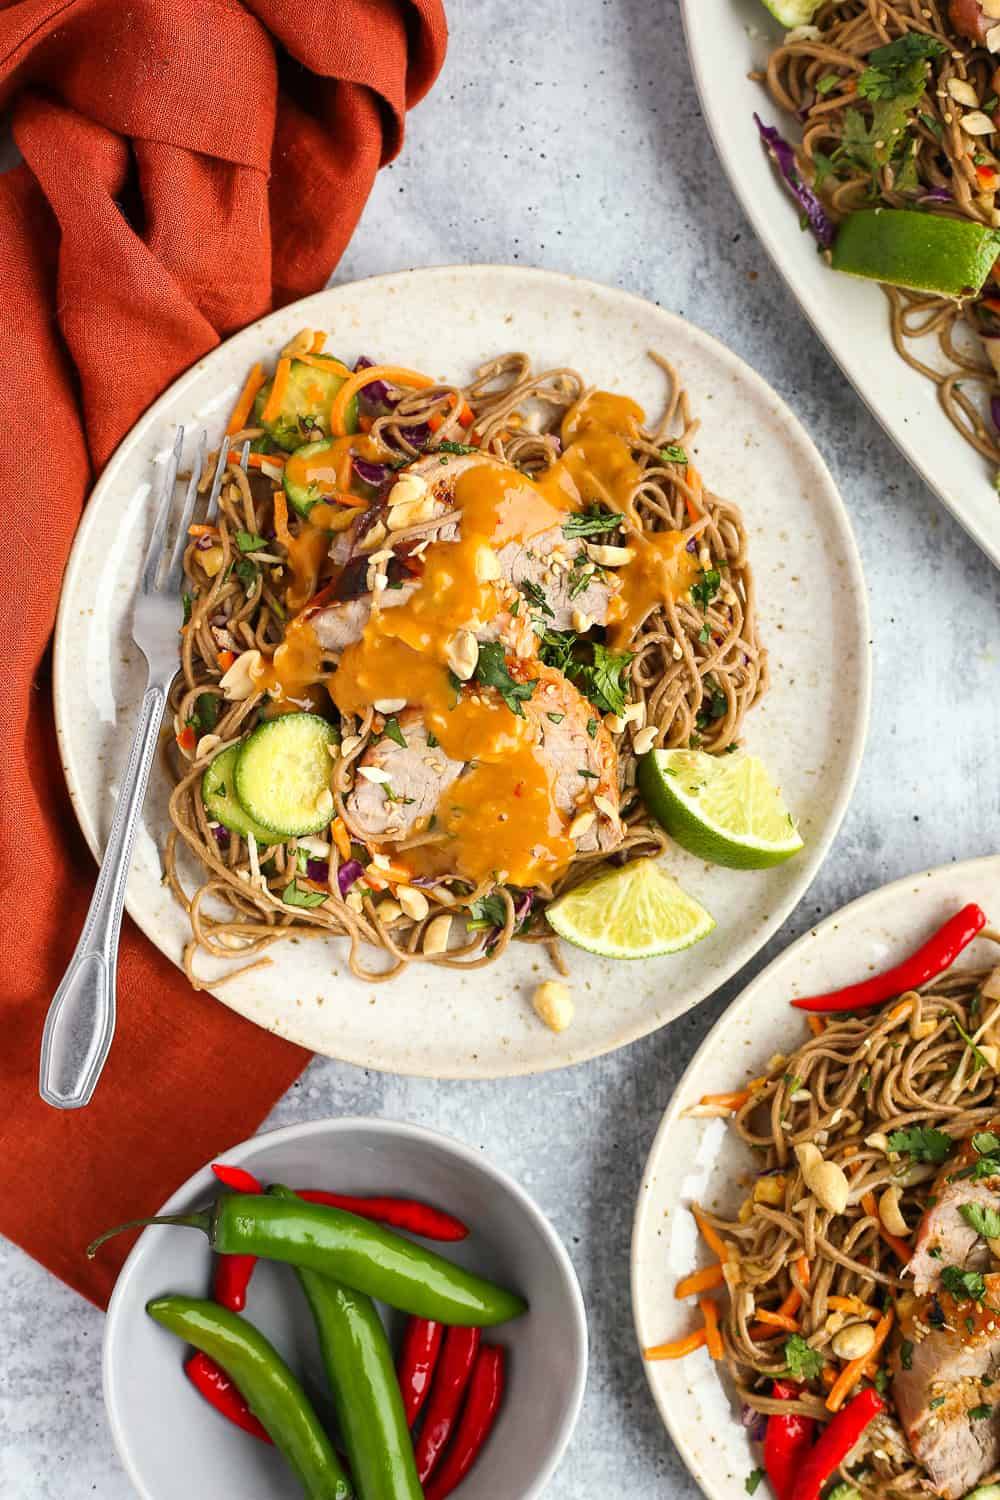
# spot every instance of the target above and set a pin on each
(723, 808)
(637, 911)
(793, 13)
(921, 251)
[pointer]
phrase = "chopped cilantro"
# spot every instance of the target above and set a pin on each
(921, 1143)
(455, 448)
(752, 1482)
(704, 635)
(590, 775)
(906, 1354)
(938, 1401)
(250, 541)
(980, 1413)
(964, 1286)
(673, 453)
(206, 712)
(393, 732)
(579, 579)
(935, 1252)
(592, 728)
(536, 594)
(515, 607)
(897, 71)
(292, 896)
(802, 1361)
(391, 796)
(556, 718)
(247, 572)
(705, 590)
(488, 911)
(604, 685)
(881, 1380)
(491, 670)
(591, 523)
(984, 1220)
(827, 83)
(978, 1060)
(985, 1143)
(432, 740)
(187, 601)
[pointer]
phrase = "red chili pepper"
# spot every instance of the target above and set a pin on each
(461, 1345)
(835, 1443)
(218, 1390)
(478, 1416)
(787, 1440)
(401, 1213)
(419, 1355)
(233, 1272)
(931, 959)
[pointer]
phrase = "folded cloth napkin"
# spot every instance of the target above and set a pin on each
(187, 165)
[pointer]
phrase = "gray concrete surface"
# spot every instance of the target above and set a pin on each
(569, 136)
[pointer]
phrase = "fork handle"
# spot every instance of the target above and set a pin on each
(81, 1019)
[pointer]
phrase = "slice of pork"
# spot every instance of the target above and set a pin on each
(943, 1374)
(945, 1239)
(558, 580)
(418, 774)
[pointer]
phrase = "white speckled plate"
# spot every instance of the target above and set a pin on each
(701, 1159)
(810, 728)
(727, 40)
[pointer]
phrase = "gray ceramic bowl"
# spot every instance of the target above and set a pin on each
(174, 1447)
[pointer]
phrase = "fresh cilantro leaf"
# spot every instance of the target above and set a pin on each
(393, 732)
(187, 602)
(391, 796)
(704, 635)
(881, 1380)
(292, 896)
(247, 572)
(978, 1060)
(590, 775)
(935, 1252)
(556, 718)
(579, 579)
(605, 686)
(985, 1143)
(715, 702)
(206, 712)
(491, 670)
(592, 728)
(938, 1401)
(823, 167)
(752, 1482)
(964, 1286)
(488, 911)
(536, 594)
(591, 523)
(906, 1354)
(985, 1221)
(980, 1413)
(897, 70)
(934, 126)
(802, 1361)
(250, 541)
(922, 1144)
(827, 83)
(432, 740)
(673, 453)
(455, 448)
(515, 607)
(705, 590)
(556, 650)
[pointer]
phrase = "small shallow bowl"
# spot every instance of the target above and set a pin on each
(174, 1447)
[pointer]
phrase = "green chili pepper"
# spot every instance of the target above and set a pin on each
(362, 1255)
(268, 1385)
(359, 1367)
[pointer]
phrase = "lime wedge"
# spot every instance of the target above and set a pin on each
(635, 912)
(723, 808)
(793, 12)
(921, 251)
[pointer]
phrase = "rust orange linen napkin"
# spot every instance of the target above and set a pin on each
(187, 165)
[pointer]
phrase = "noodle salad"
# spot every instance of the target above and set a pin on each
(859, 1318)
(897, 174)
(428, 641)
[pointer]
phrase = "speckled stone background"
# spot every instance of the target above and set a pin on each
(569, 136)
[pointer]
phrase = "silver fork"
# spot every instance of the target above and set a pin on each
(81, 1019)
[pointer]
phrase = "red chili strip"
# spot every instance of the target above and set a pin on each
(233, 1272)
(931, 959)
(478, 1417)
(787, 1440)
(458, 1356)
(418, 1357)
(401, 1213)
(218, 1390)
(834, 1444)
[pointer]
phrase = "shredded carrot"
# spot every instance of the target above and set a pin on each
(226, 659)
(828, 1375)
(257, 460)
(198, 529)
(855, 1368)
(341, 837)
(713, 1338)
(816, 1025)
(331, 366)
(712, 1239)
(732, 1101)
(850, 1150)
(898, 1247)
(678, 1348)
(394, 374)
(319, 342)
(245, 400)
(281, 530)
(365, 424)
(902, 1009)
(802, 1266)
(187, 739)
(694, 481)
(466, 416)
(279, 385)
(699, 1281)
(777, 1320)
(435, 420)
(344, 470)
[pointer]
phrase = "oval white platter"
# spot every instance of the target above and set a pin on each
(810, 728)
(727, 39)
(701, 1160)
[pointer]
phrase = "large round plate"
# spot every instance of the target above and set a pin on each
(810, 728)
(727, 41)
(703, 1159)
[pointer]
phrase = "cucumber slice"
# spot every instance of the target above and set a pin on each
(792, 13)
(218, 792)
(303, 492)
(306, 407)
(283, 774)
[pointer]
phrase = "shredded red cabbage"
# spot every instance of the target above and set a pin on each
(376, 393)
(350, 871)
(784, 159)
(937, 195)
(318, 870)
(369, 473)
(995, 411)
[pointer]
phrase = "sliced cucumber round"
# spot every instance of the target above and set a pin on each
(305, 408)
(792, 13)
(304, 494)
(218, 792)
(283, 774)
